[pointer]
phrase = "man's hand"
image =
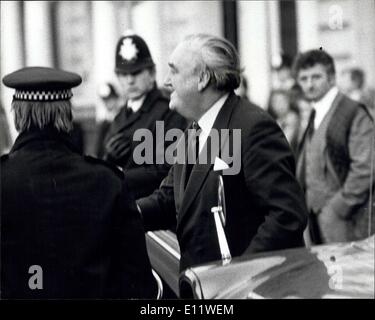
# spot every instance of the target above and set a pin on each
(118, 146)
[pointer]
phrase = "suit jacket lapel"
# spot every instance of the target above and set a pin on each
(200, 171)
(335, 104)
(180, 172)
(131, 119)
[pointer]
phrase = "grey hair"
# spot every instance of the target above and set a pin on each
(38, 114)
(219, 58)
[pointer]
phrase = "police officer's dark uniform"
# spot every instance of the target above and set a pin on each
(69, 215)
(145, 178)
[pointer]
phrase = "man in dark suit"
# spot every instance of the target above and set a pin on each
(69, 226)
(264, 202)
(334, 165)
(145, 105)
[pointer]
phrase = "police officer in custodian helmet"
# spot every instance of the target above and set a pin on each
(146, 104)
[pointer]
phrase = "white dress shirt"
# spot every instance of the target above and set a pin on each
(207, 120)
(323, 105)
(135, 105)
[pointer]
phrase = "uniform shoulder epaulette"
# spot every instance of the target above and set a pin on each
(4, 157)
(117, 170)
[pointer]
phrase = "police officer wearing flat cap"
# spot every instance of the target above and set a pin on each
(145, 105)
(69, 226)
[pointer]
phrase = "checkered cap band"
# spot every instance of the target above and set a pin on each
(43, 95)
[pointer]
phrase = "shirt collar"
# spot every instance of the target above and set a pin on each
(135, 105)
(207, 120)
(323, 105)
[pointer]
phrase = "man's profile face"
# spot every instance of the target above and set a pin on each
(182, 81)
(315, 82)
(136, 84)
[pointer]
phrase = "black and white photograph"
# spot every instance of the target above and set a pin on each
(182, 151)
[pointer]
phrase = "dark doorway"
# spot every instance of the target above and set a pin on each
(230, 21)
(288, 27)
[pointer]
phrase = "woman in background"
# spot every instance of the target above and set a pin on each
(286, 114)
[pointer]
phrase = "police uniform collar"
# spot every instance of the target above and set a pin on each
(146, 107)
(135, 105)
(151, 96)
(46, 134)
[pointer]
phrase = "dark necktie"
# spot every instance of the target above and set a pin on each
(309, 132)
(310, 125)
(129, 112)
(193, 150)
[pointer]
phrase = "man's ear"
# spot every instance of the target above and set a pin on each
(203, 81)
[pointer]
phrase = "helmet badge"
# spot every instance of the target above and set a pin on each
(128, 50)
